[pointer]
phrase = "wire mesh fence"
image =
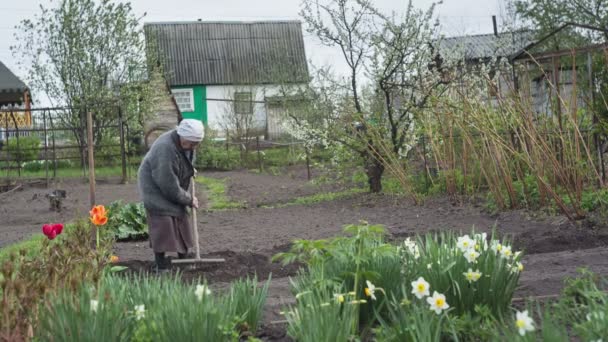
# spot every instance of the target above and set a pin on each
(40, 142)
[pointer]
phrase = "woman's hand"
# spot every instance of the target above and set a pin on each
(195, 202)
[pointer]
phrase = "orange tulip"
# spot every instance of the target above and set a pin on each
(99, 220)
(98, 210)
(114, 259)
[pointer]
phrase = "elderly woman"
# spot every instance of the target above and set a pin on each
(163, 179)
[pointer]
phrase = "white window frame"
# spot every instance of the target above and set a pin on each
(182, 92)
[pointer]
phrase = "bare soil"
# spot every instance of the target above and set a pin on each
(247, 238)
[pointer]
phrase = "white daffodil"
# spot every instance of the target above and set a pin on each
(201, 291)
(496, 246)
(523, 322)
(437, 302)
(420, 288)
(471, 255)
(465, 243)
(520, 266)
(472, 276)
(370, 290)
(94, 305)
(505, 252)
(412, 248)
(140, 312)
(516, 254)
(482, 239)
(339, 297)
(429, 266)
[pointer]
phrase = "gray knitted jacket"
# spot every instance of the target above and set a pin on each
(164, 177)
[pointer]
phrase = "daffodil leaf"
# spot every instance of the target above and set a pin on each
(115, 269)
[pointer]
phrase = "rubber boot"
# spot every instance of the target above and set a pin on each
(161, 263)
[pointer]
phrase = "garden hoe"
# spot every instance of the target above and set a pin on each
(197, 248)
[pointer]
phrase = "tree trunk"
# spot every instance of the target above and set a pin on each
(374, 170)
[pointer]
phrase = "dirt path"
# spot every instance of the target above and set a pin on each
(247, 238)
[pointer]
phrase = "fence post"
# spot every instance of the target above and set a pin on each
(18, 145)
(307, 162)
(8, 165)
(53, 147)
(257, 144)
(91, 158)
(123, 154)
(46, 149)
(426, 167)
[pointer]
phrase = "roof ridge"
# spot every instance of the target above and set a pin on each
(225, 22)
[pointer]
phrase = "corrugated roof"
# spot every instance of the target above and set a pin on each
(230, 52)
(9, 83)
(484, 46)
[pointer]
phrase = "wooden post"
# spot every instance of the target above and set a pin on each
(257, 144)
(123, 152)
(18, 154)
(307, 162)
(596, 137)
(54, 150)
(91, 158)
(46, 149)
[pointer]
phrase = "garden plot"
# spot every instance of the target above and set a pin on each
(248, 238)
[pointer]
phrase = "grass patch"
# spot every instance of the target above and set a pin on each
(30, 246)
(216, 191)
(319, 198)
(73, 172)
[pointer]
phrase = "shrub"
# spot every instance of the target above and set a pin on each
(210, 156)
(40, 165)
(27, 149)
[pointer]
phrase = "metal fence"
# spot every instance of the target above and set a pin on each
(42, 141)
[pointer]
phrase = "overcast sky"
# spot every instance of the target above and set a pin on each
(457, 17)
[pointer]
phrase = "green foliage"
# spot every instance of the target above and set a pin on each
(211, 156)
(409, 321)
(40, 165)
(26, 150)
(248, 299)
(585, 305)
(74, 317)
(319, 316)
(171, 311)
(216, 191)
(592, 200)
(348, 262)
(127, 221)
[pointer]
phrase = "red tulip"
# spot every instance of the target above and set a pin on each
(52, 230)
(47, 230)
(58, 227)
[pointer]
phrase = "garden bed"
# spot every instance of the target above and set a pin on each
(248, 238)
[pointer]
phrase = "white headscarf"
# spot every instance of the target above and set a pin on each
(191, 130)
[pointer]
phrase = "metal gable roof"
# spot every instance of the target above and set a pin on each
(230, 52)
(9, 83)
(484, 46)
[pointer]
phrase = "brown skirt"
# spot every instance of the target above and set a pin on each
(169, 233)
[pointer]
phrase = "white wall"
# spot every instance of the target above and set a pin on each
(217, 110)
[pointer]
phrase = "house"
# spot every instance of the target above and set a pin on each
(222, 72)
(15, 102)
(536, 66)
